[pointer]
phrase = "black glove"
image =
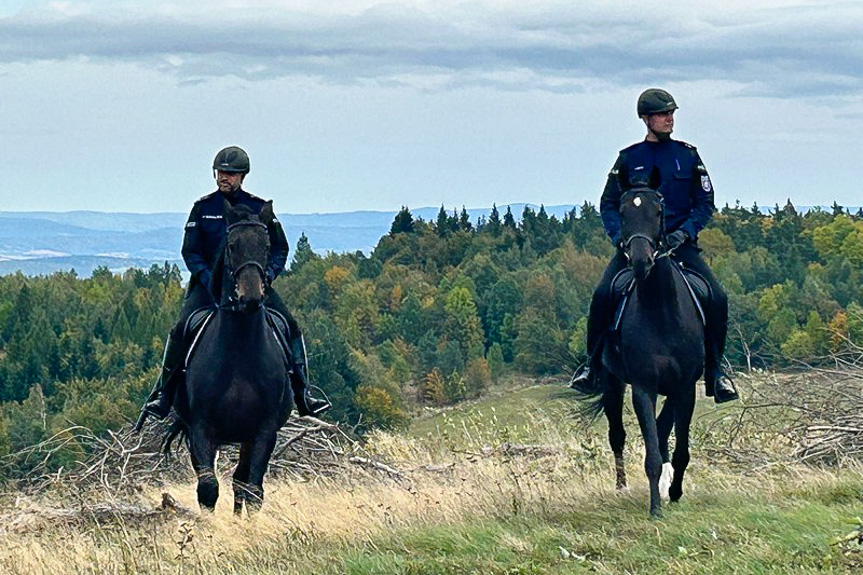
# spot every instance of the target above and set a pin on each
(270, 276)
(676, 238)
(617, 241)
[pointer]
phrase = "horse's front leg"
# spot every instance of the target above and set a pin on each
(644, 403)
(684, 407)
(203, 453)
(259, 457)
(612, 406)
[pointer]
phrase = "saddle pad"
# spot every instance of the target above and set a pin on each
(623, 282)
(200, 318)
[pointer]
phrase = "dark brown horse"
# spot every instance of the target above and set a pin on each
(658, 349)
(237, 387)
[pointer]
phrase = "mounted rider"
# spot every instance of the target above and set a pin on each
(688, 194)
(204, 235)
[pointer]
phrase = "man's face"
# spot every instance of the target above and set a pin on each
(229, 182)
(661, 124)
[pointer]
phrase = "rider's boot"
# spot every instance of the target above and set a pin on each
(162, 397)
(717, 383)
(306, 404)
(721, 387)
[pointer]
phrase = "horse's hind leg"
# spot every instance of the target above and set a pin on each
(684, 406)
(645, 409)
(612, 405)
(203, 452)
(241, 479)
(259, 457)
(664, 423)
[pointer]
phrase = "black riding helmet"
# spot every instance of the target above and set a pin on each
(655, 101)
(232, 159)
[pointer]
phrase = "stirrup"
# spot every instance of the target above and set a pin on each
(723, 389)
(580, 376)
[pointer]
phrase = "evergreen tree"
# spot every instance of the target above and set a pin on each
(508, 219)
(492, 226)
(403, 222)
(303, 254)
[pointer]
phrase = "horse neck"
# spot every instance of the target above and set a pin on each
(242, 328)
(660, 287)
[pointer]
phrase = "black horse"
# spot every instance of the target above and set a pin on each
(658, 348)
(237, 378)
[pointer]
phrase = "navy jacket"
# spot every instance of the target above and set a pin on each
(206, 229)
(686, 186)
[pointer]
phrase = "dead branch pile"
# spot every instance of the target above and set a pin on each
(123, 463)
(814, 416)
(832, 400)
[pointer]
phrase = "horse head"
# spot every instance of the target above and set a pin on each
(642, 224)
(247, 249)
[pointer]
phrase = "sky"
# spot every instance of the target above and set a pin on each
(367, 105)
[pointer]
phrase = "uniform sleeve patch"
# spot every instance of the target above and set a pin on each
(191, 224)
(705, 183)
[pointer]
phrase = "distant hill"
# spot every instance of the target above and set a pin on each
(40, 243)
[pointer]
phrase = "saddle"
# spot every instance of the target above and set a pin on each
(624, 282)
(199, 319)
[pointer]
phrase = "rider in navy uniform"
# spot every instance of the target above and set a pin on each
(204, 234)
(688, 194)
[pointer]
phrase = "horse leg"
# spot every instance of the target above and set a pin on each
(203, 452)
(259, 457)
(612, 405)
(241, 479)
(685, 405)
(644, 403)
(664, 423)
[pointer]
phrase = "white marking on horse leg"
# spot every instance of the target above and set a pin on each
(665, 479)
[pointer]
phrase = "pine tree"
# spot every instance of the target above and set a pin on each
(403, 222)
(303, 253)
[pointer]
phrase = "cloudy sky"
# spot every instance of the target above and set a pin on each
(121, 105)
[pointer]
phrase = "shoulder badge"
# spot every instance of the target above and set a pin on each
(705, 183)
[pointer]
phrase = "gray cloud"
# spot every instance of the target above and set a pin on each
(807, 51)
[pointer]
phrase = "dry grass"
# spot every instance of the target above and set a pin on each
(471, 468)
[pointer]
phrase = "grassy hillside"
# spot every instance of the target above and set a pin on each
(512, 484)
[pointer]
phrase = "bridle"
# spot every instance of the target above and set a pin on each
(253, 263)
(659, 246)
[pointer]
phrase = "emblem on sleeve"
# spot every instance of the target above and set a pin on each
(705, 184)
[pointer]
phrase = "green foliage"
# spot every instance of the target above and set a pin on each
(436, 312)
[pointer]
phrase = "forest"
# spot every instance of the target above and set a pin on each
(431, 317)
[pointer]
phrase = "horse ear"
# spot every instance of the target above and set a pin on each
(231, 215)
(655, 178)
(267, 215)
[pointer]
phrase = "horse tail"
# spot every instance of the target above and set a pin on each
(591, 395)
(177, 429)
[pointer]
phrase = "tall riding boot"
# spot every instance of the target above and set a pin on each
(717, 383)
(306, 404)
(162, 397)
